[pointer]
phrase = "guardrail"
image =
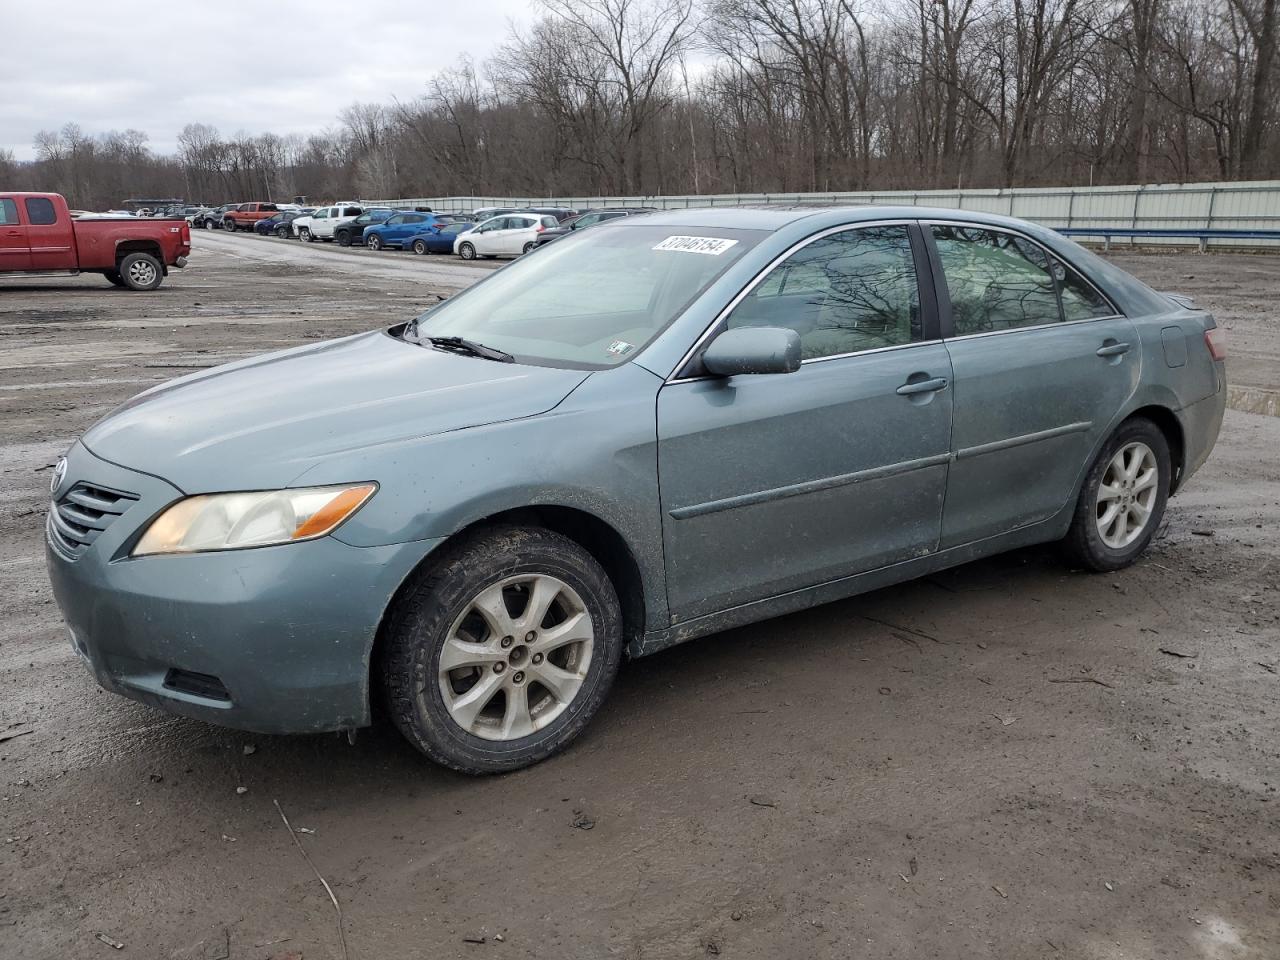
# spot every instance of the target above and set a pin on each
(1248, 211)
(1201, 236)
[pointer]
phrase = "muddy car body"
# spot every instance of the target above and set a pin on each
(669, 425)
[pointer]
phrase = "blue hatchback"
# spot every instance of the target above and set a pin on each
(400, 228)
(439, 239)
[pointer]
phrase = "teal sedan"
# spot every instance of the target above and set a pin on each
(657, 429)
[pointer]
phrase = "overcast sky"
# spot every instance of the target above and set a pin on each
(283, 65)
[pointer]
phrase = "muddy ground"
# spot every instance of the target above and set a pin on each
(1008, 760)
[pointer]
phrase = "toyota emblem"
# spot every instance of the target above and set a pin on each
(59, 474)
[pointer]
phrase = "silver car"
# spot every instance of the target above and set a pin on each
(646, 432)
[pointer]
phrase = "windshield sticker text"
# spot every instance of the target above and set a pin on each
(713, 246)
(620, 347)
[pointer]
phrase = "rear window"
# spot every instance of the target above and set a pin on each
(8, 211)
(40, 211)
(550, 222)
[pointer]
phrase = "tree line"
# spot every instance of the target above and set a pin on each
(652, 97)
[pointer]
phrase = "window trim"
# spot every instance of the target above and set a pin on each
(929, 313)
(946, 315)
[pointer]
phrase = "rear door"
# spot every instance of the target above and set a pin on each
(1042, 364)
(780, 482)
(15, 252)
(52, 241)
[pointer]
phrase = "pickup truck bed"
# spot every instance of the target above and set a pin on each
(39, 235)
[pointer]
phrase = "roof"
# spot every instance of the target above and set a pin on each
(771, 217)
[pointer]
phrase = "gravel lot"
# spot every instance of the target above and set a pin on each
(1008, 760)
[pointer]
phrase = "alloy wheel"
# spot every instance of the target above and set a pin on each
(516, 657)
(142, 272)
(1127, 495)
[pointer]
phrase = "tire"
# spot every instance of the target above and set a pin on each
(528, 246)
(304, 233)
(1136, 447)
(282, 231)
(420, 247)
(467, 252)
(429, 706)
(229, 226)
(210, 225)
(141, 271)
(343, 237)
(374, 243)
(114, 277)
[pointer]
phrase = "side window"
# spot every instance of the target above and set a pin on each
(850, 291)
(996, 281)
(8, 211)
(393, 220)
(1080, 301)
(40, 211)
(350, 211)
(415, 218)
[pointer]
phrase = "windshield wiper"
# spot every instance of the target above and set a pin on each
(459, 345)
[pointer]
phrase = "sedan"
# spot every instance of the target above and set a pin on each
(658, 429)
(507, 236)
(439, 239)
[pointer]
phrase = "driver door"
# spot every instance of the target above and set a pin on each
(775, 483)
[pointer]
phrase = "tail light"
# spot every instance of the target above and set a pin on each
(1216, 340)
(540, 228)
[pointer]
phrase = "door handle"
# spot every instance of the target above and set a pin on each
(922, 386)
(1113, 349)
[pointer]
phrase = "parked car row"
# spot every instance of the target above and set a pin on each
(488, 232)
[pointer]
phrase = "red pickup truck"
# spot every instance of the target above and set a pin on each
(39, 235)
(245, 215)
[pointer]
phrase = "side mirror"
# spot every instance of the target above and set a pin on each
(753, 350)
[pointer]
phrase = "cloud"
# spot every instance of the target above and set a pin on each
(288, 66)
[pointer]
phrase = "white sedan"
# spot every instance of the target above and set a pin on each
(508, 235)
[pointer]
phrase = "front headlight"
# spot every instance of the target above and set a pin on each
(231, 521)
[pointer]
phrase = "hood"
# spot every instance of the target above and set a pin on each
(260, 423)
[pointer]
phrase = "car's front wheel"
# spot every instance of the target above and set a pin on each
(210, 225)
(1123, 498)
(373, 242)
(467, 252)
(502, 650)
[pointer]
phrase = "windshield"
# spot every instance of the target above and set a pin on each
(591, 301)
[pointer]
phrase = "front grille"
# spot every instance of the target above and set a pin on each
(82, 513)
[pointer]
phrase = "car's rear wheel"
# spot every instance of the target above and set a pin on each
(343, 237)
(1123, 498)
(304, 233)
(141, 271)
(466, 251)
(529, 246)
(210, 225)
(374, 243)
(282, 231)
(420, 247)
(502, 650)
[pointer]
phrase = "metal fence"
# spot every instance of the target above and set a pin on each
(1210, 206)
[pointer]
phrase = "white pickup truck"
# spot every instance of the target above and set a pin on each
(320, 225)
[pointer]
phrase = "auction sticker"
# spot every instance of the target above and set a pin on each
(713, 246)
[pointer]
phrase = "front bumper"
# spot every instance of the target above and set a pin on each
(287, 632)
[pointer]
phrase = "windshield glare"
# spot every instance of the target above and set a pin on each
(593, 300)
